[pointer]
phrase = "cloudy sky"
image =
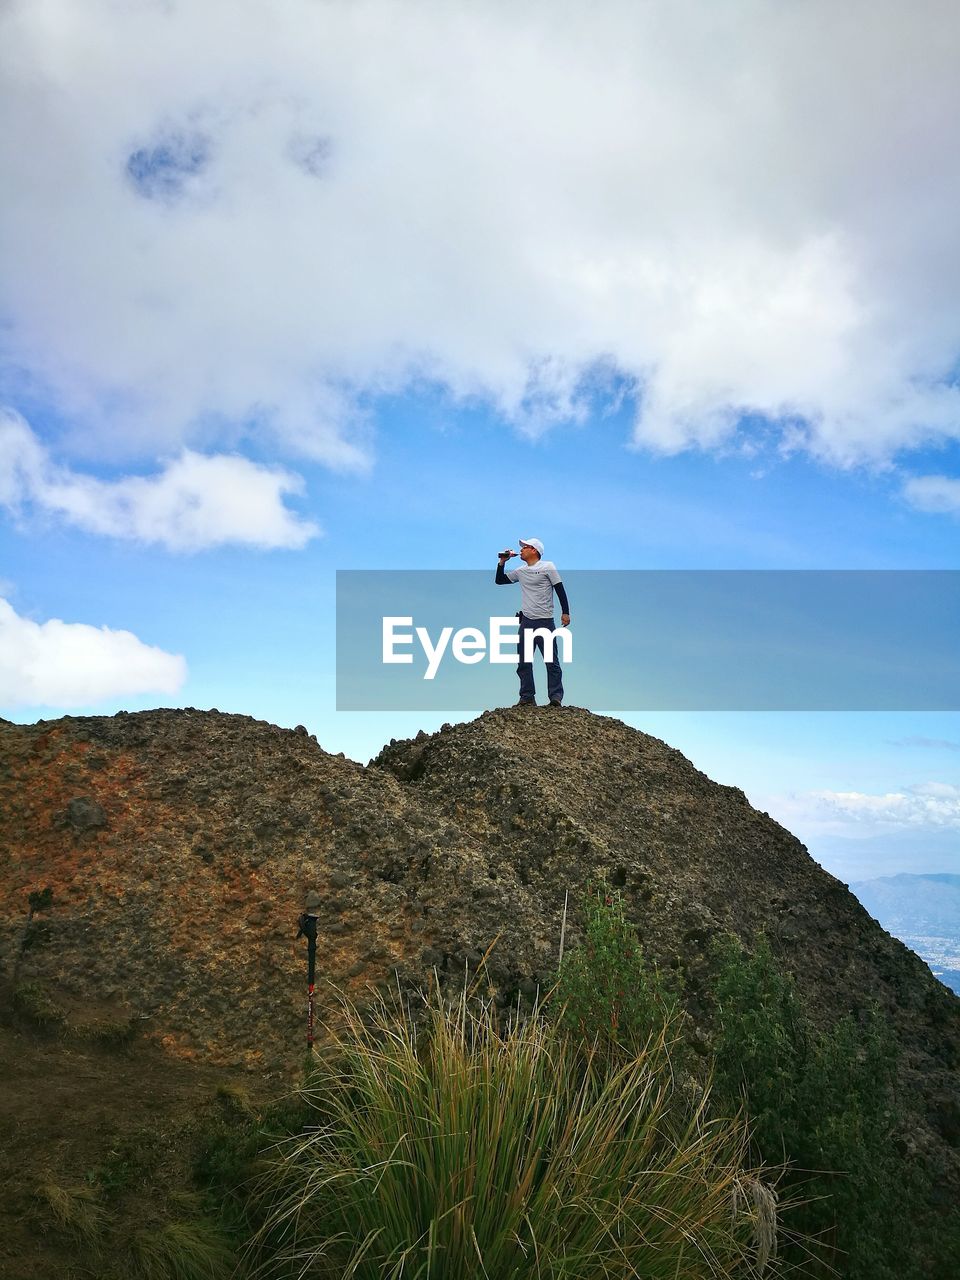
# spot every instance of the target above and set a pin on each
(313, 285)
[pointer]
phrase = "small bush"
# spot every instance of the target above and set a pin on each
(824, 1103)
(762, 1046)
(466, 1149)
(606, 990)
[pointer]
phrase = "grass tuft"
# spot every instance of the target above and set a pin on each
(107, 1033)
(233, 1097)
(457, 1147)
(74, 1209)
(33, 1002)
(194, 1249)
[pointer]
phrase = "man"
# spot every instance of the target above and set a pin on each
(538, 580)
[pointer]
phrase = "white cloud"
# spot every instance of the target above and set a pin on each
(747, 206)
(939, 494)
(924, 807)
(62, 664)
(193, 504)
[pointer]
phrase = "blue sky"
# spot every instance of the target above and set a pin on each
(281, 317)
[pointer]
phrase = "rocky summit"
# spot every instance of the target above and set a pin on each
(178, 845)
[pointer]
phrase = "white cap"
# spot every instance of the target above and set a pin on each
(533, 542)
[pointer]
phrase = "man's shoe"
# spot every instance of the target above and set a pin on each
(555, 702)
(526, 702)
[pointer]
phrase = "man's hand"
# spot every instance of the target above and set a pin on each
(564, 619)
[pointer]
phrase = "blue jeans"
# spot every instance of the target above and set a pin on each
(528, 692)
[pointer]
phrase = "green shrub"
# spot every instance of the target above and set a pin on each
(468, 1149)
(825, 1103)
(762, 1046)
(607, 992)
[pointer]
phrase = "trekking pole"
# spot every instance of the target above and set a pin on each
(308, 929)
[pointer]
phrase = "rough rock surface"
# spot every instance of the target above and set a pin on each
(179, 845)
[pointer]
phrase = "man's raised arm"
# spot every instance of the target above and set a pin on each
(501, 579)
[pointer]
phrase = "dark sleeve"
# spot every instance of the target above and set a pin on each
(562, 597)
(501, 579)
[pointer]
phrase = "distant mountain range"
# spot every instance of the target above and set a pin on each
(924, 912)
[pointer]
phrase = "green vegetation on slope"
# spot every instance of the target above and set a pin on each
(596, 1135)
(821, 1105)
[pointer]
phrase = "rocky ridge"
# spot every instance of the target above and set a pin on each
(178, 845)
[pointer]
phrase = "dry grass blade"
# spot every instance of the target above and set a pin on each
(74, 1209)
